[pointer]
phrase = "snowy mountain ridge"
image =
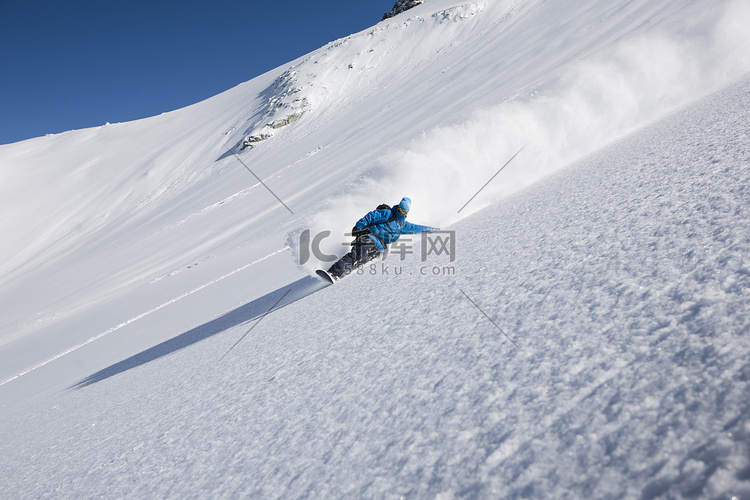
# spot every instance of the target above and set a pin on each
(325, 78)
(161, 336)
(401, 6)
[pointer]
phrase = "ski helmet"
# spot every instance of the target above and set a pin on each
(404, 206)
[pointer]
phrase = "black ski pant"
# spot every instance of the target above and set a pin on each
(363, 251)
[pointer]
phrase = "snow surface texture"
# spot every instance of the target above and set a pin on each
(592, 342)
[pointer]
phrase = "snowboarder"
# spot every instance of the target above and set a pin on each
(373, 233)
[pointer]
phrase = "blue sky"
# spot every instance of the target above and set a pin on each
(81, 63)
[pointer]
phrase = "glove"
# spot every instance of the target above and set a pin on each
(358, 232)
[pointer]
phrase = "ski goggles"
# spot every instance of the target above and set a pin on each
(401, 211)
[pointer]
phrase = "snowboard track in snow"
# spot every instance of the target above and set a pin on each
(255, 310)
(140, 316)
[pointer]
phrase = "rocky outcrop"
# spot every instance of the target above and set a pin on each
(285, 106)
(401, 6)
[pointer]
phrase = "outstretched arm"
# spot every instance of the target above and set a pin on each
(410, 228)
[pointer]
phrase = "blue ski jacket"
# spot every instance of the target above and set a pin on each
(383, 232)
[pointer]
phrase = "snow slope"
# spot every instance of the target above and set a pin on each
(137, 359)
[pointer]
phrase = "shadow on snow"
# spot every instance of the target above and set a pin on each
(254, 310)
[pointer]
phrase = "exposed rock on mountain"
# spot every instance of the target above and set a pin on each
(401, 6)
(284, 107)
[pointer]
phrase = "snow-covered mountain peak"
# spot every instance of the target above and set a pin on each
(401, 6)
(349, 69)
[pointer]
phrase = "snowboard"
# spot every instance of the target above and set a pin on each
(324, 276)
